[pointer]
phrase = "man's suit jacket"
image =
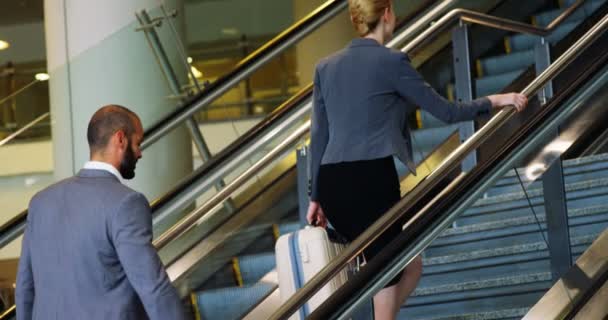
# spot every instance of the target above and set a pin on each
(87, 254)
(361, 98)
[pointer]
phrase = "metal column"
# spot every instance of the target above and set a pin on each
(464, 89)
(553, 186)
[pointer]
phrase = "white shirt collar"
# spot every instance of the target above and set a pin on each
(98, 165)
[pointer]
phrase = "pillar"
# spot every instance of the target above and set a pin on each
(94, 58)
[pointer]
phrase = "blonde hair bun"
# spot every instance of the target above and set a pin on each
(365, 14)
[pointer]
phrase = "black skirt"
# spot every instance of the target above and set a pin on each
(355, 194)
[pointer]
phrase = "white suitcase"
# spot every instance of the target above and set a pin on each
(300, 255)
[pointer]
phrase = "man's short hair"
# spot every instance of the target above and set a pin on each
(108, 120)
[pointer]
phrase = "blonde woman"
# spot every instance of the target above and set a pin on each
(362, 96)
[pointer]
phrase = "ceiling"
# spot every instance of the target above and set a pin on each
(20, 11)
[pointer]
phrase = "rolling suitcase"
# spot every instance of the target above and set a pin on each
(299, 256)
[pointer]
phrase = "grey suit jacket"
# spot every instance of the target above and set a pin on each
(361, 98)
(87, 254)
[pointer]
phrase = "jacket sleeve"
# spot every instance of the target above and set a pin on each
(411, 86)
(319, 135)
(24, 291)
(131, 229)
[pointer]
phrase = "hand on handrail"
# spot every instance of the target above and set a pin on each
(518, 100)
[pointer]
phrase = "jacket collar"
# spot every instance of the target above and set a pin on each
(364, 42)
(94, 173)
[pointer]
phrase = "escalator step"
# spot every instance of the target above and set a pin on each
(593, 3)
(496, 83)
(502, 234)
(254, 267)
(212, 304)
(522, 42)
(594, 167)
(543, 19)
(506, 63)
(579, 195)
(289, 227)
(431, 137)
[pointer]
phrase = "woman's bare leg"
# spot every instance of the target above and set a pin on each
(388, 301)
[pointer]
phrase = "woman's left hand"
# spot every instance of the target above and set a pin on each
(315, 215)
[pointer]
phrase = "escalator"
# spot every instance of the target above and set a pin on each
(490, 214)
(273, 203)
(226, 282)
(245, 68)
(249, 276)
(13, 228)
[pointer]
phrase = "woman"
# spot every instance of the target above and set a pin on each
(362, 95)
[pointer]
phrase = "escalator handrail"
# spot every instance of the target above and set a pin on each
(244, 69)
(9, 313)
(448, 165)
(454, 199)
(19, 221)
(470, 16)
(186, 222)
(26, 127)
(12, 228)
(410, 25)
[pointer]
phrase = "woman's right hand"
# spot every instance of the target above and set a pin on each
(518, 100)
(315, 215)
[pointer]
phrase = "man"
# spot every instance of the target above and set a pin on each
(87, 251)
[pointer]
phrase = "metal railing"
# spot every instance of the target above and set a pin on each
(498, 120)
(14, 227)
(280, 118)
(304, 108)
(186, 223)
(245, 68)
(23, 129)
(449, 164)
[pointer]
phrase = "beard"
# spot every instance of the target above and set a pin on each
(127, 165)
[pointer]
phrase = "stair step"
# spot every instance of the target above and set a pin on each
(578, 195)
(496, 83)
(504, 314)
(573, 172)
(506, 63)
(531, 250)
(254, 267)
(430, 138)
(545, 18)
(523, 42)
(212, 304)
(519, 225)
(590, 6)
(533, 235)
(289, 227)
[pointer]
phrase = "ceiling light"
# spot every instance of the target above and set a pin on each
(189, 59)
(196, 72)
(230, 31)
(4, 45)
(42, 76)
